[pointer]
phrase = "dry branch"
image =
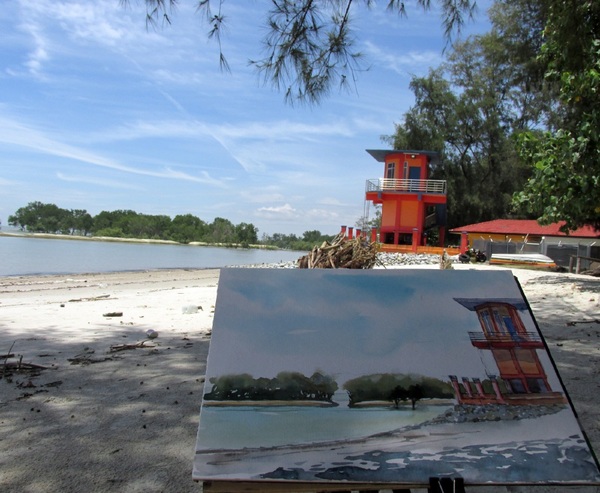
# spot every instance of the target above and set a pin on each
(94, 298)
(122, 347)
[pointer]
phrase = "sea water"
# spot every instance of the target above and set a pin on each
(36, 256)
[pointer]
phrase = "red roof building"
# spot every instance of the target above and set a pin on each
(518, 229)
(523, 235)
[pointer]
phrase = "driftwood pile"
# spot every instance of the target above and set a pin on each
(341, 253)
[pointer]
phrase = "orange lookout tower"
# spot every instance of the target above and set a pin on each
(411, 204)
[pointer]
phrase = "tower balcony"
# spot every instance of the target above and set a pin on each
(393, 185)
(490, 341)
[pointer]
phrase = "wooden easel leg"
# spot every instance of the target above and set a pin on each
(446, 485)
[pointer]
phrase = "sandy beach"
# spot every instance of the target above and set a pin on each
(110, 409)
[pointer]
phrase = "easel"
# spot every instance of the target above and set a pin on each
(436, 485)
(446, 485)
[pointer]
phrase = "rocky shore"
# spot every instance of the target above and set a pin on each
(384, 260)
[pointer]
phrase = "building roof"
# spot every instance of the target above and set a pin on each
(380, 154)
(525, 227)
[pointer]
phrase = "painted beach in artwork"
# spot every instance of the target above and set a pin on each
(376, 376)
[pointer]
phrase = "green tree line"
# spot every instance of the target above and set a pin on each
(37, 217)
(286, 386)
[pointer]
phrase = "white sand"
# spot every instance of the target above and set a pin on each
(126, 421)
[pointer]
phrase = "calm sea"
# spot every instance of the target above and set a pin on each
(33, 256)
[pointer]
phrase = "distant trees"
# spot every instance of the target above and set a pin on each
(37, 217)
(366, 223)
(293, 242)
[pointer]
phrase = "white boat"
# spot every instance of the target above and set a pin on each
(526, 259)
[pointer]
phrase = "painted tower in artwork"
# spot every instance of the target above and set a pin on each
(411, 204)
(514, 350)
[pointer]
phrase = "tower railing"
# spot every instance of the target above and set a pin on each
(518, 338)
(406, 186)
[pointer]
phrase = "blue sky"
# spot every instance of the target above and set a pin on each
(99, 113)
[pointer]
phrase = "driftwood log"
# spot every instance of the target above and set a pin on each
(123, 347)
(341, 253)
(19, 365)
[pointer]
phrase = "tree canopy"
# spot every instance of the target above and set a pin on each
(467, 110)
(309, 45)
(565, 161)
(515, 115)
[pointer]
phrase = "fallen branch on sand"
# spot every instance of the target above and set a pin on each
(575, 322)
(86, 358)
(94, 298)
(123, 347)
(19, 365)
(113, 314)
(9, 367)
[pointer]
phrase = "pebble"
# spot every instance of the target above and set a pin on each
(384, 259)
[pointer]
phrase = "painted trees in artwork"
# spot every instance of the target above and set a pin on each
(413, 394)
(395, 388)
(286, 386)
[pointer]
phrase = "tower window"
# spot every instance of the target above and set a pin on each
(390, 171)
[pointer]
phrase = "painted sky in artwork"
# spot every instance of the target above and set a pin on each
(349, 323)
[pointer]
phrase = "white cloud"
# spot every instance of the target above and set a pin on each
(97, 181)
(19, 135)
(39, 54)
(323, 215)
(262, 195)
(406, 63)
(285, 211)
(330, 201)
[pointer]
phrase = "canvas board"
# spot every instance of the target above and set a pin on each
(383, 377)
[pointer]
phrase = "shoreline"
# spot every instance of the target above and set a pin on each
(56, 236)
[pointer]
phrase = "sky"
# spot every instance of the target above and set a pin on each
(99, 112)
(350, 323)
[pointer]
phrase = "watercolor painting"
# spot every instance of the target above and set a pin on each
(383, 376)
